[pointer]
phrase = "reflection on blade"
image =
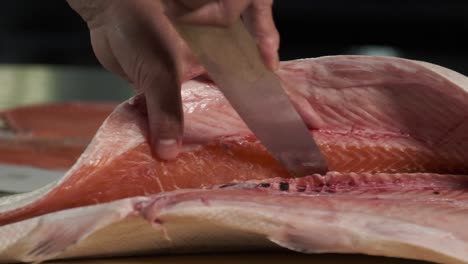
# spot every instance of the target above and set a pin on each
(232, 60)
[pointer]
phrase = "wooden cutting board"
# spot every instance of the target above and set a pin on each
(268, 258)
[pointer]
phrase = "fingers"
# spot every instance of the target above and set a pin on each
(136, 41)
(165, 116)
(258, 17)
(259, 20)
(206, 12)
(151, 54)
(104, 54)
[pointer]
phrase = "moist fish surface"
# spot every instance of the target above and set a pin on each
(393, 132)
(49, 136)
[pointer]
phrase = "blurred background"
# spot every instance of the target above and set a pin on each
(45, 53)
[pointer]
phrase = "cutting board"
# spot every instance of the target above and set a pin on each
(269, 258)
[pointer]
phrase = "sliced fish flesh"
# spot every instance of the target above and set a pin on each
(393, 132)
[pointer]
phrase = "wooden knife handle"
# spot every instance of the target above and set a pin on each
(234, 44)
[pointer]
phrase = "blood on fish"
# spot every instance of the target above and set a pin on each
(264, 185)
(227, 185)
(301, 188)
(205, 201)
(284, 186)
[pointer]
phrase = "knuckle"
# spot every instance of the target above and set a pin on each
(271, 42)
(263, 5)
(139, 74)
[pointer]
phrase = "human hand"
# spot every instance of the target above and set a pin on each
(256, 15)
(136, 40)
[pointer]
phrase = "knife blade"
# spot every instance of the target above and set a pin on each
(231, 58)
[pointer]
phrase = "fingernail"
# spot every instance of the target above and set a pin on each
(167, 149)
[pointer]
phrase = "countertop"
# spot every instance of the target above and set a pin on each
(33, 84)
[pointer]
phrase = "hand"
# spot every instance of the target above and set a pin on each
(136, 40)
(256, 15)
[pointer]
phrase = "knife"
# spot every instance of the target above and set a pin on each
(231, 58)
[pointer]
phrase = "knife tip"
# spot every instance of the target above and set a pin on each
(304, 165)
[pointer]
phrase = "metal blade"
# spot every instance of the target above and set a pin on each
(232, 60)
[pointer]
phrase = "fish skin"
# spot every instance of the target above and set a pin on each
(380, 118)
(268, 216)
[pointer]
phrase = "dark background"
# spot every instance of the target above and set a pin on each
(49, 32)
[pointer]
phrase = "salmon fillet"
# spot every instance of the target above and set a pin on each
(51, 136)
(393, 132)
